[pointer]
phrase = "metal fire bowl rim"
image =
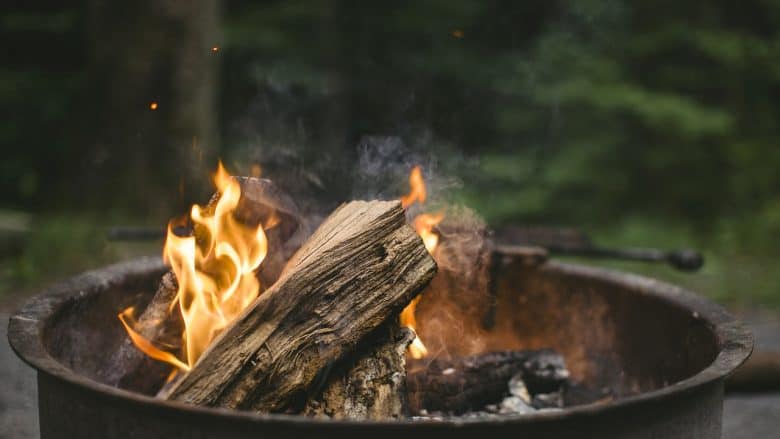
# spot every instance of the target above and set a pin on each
(26, 326)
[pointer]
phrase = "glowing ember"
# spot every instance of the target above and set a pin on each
(215, 272)
(153, 106)
(423, 224)
(215, 49)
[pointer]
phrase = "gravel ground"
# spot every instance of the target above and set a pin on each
(751, 416)
(745, 416)
(18, 392)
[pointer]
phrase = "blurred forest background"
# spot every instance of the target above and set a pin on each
(642, 123)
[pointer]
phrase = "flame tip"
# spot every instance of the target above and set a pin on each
(215, 272)
(423, 224)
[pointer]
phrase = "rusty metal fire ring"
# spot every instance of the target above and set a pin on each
(73, 405)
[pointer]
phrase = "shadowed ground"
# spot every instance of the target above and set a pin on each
(18, 392)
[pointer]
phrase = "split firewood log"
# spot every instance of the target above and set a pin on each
(357, 271)
(370, 384)
(460, 384)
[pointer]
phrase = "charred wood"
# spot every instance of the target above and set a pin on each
(358, 270)
(469, 383)
(158, 323)
(264, 203)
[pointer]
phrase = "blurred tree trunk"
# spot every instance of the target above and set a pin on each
(142, 54)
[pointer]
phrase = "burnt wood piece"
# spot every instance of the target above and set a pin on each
(360, 269)
(370, 384)
(462, 384)
(134, 370)
(263, 203)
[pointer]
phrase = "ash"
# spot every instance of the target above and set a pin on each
(519, 401)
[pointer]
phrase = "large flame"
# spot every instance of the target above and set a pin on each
(215, 272)
(423, 224)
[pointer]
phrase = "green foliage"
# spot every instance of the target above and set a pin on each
(58, 246)
(735, 273)
(40, 76)
(592, 113)
(54, 247)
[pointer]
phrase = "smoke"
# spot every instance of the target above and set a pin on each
(453, 307)
(384, 163)
(457, 301)
(320, 174)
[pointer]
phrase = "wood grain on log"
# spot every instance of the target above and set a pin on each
(371, 383)
(358, 270)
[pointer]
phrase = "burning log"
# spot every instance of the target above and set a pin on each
(134, 369)
(358, 270)
(264, 203)
(160, 324)
(370, 385)
(469, 383)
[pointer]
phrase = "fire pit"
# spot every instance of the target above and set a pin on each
(661, 354)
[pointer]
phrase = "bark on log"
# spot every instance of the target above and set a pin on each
(469, 383)
(358, 270)
(370, 384)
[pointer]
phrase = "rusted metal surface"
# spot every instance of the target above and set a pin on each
(665, 351)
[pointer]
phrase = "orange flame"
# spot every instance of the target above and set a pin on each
(417, 192)
(215, 272)
(423, 224)
(126, 317)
